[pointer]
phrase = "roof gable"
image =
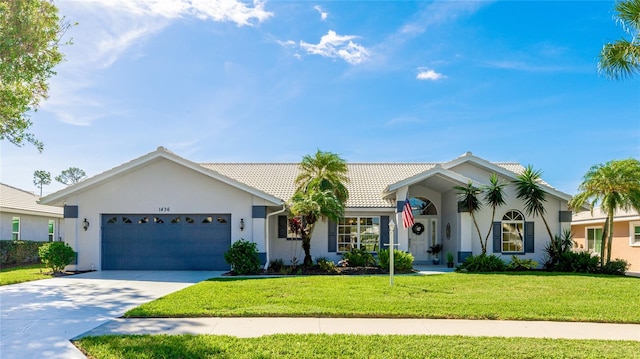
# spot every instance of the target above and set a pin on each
(160, 153)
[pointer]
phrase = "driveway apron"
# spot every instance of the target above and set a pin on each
(38, 318)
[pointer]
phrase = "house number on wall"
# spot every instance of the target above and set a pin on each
(164, 209)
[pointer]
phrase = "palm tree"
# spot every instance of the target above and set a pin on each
(529, 190)
(321, 192)
(615, 185)
(494, 197)
(621, 59)
(468, 199)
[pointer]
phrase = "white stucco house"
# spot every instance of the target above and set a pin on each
(23, 218)
(163, 212)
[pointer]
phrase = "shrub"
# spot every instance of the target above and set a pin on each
(615, 267)
(483, 263)
(19, 252)
(402, 261)
(577, 262)
(518, 264)
(243, 257)
(276, 265)
(56, 255)
(358, 258)
(555, 248)
(326, 265)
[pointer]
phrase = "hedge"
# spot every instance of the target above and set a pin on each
(19, 252)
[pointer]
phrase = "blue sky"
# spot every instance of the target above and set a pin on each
(271, 81)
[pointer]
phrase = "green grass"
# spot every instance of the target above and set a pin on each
(350, 346)
(23, 274)
(514, 296)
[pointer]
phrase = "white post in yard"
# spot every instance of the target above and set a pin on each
(392, 227)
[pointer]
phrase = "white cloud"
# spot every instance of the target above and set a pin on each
(429, 74)
(337, 46)
(109, 30)
(323, 14)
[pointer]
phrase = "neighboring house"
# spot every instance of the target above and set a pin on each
(161, 211)
(22, 218)
(587, 233)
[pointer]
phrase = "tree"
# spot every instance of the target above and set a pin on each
(71, 176)
(621, 59)
(468, 199)
(494, 197)
(529, 190)
(41, 178)
(30, 34)
(321, 193)
(615, 185)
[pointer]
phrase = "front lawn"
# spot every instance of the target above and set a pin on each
(514, 296)
(21, 274)
(349, 346)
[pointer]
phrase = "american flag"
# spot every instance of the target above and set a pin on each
(407, 215)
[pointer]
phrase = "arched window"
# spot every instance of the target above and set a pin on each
(423, 207)
(513, 232)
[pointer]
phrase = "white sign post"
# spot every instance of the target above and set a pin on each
(392, 227)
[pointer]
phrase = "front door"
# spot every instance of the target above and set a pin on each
(422, 236)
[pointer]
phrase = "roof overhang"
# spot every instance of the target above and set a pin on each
(58, 198)
(31, 213)
(437, 178)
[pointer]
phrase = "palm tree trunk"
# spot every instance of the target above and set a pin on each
(610, 235)
(603, 240)
(553, 243)
(306, 246)
(486, 239)
(484, 250)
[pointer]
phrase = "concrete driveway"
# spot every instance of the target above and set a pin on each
(38, 318)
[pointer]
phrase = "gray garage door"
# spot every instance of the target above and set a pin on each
(165, 242)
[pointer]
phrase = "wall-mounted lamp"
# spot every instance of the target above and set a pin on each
(241, 224)
(85, 224)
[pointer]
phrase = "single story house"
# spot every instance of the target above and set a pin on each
(23, 218)
(587, 231)
(162, 211)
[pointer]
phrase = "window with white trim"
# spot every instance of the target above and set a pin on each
(359, 232)
(52, 228)
(513, 232)
(15, 228)
(594, 239)
(634, 231)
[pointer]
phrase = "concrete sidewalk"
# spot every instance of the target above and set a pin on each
(255, 327)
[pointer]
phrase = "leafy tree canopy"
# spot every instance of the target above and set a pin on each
(71, 176)
(621, 59)
(41, 178)
(30, 33)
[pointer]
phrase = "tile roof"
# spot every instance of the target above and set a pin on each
(16, 200)
(367, 180)
(600, 216)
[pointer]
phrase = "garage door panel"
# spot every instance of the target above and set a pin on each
(166, 242)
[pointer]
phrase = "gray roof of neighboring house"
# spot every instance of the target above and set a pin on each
(367, 180)
(19, 201)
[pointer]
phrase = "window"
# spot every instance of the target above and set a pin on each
(15, 229)
(594, 239)
(634, 232)
(52, 226)
(513, 232)
(422, 206)
(292, 223)
(359, 232)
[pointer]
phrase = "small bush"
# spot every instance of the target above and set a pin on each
(483, 263)
(615, 267)
(326, 265)
(402, 261)
(19, 252)
(358, 258)
(518, 264)
(243, 257)
(577, 262)
(555, 249)
(276, 265)
(56, 255)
